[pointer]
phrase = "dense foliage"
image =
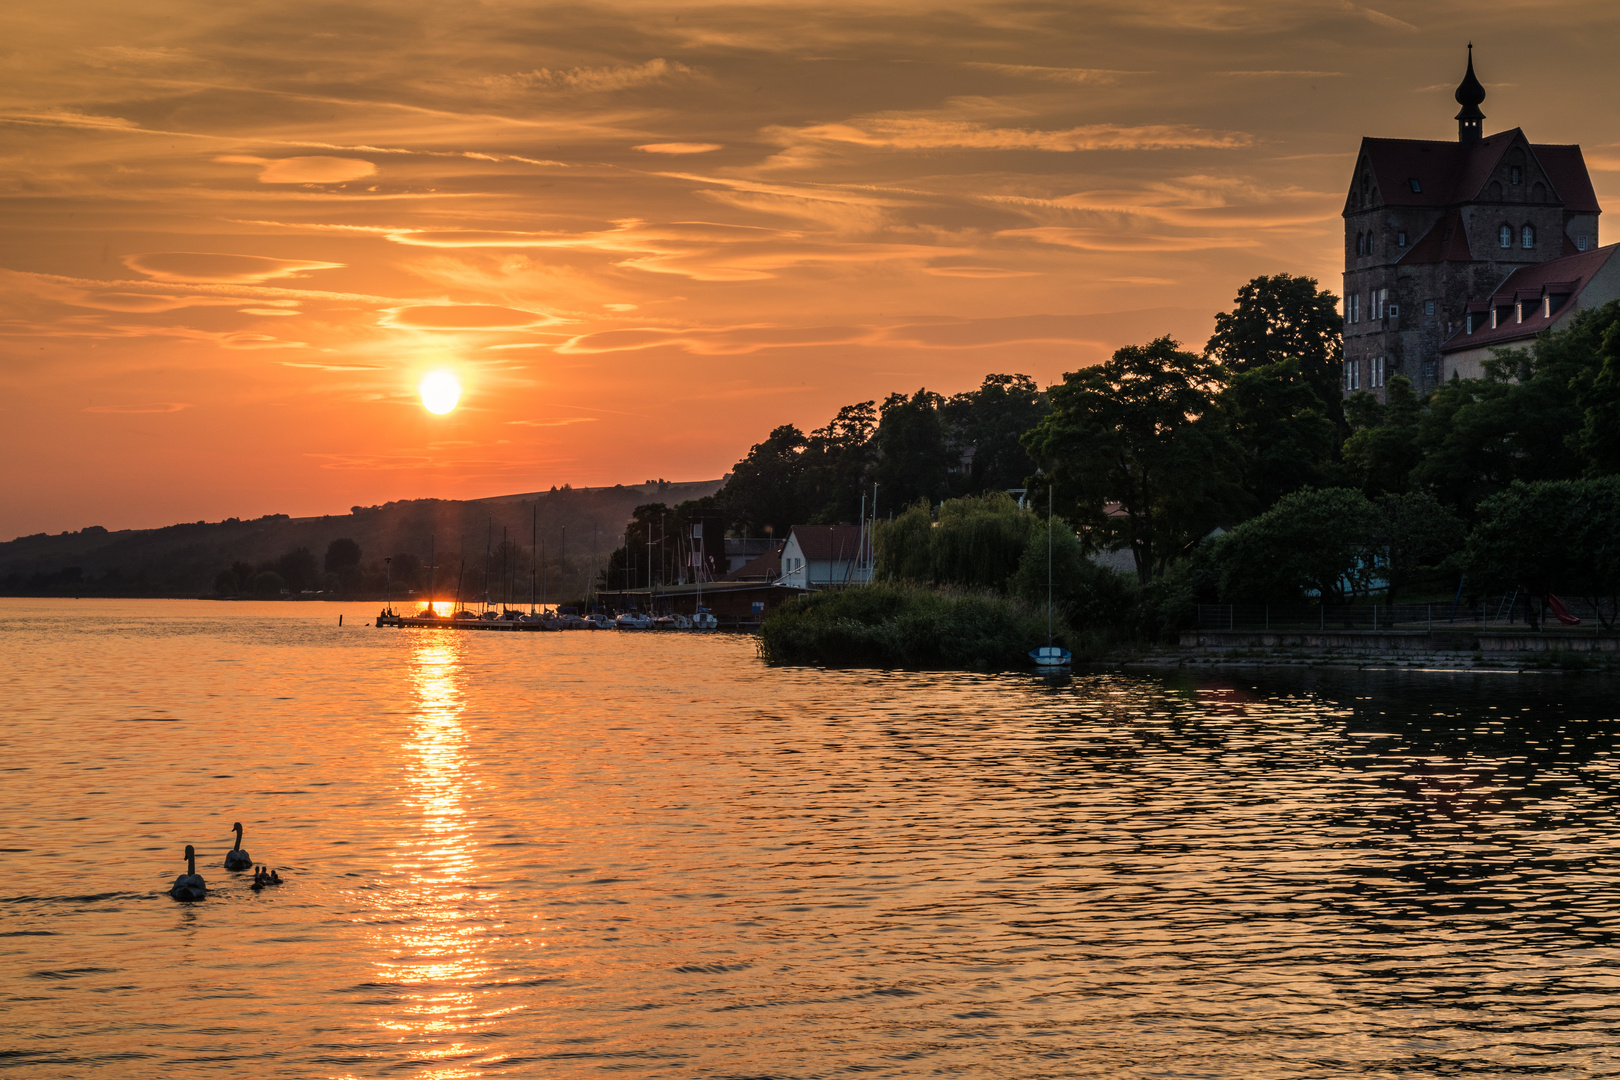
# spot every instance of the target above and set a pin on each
(1142, 435)
(1557, 536)
(907, 626)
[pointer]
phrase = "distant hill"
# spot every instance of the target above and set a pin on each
(192, 559)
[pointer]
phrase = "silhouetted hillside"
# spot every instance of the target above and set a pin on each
(232, 556)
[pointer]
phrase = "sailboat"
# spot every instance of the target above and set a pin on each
(1049, 655)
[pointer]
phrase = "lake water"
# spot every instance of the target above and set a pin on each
(593, 855)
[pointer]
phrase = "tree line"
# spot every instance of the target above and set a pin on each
(1238, 472)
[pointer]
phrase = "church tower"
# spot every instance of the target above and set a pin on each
(1432, 230)
(1470, 95)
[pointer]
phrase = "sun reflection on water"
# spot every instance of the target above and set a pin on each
(436, 930)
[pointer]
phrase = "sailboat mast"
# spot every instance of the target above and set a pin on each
(534, 550)
(1049, 565)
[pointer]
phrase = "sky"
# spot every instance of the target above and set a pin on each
(234, 238)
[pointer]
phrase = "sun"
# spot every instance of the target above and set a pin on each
(440, 391)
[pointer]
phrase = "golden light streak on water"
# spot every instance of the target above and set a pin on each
(569, 855)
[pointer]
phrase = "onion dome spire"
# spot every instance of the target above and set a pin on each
(1470, 121)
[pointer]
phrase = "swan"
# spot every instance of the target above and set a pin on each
(189, 885)
(236, 858)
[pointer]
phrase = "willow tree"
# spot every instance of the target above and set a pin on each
(978, 542)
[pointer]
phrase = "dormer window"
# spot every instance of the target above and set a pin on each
(1580, 242)
(1400, 239)
(1417, 188)
(1527, 237)
(1504, 236)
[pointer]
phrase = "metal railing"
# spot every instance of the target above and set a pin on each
(1498, 613)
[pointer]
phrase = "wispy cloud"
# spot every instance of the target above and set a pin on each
(925, 133)
(592, 79)
(154, 407)
(679, 147)
(220, 268)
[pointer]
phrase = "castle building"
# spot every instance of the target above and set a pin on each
(1453, 248)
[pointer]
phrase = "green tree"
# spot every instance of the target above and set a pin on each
(1588, 352)
(1382, 449)
(979, 540)
(1480, 435)
(1417, 536)
(1084, 594)
(1318, 539)
(297, 569)
(914, 459)
(1280, 429)
(266, 583)
(342, 556)
(1283, 317)
(765, 487)
(835, 464)
(904, 546)
(1523, 540)
(989, 423)
(1142, 431)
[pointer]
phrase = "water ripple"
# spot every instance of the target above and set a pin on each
(576, 854)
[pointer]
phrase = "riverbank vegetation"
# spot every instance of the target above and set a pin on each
(902, 625)
(1241, 474)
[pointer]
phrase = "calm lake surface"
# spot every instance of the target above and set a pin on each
(606, 854)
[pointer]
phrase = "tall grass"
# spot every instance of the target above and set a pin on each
(911, 626)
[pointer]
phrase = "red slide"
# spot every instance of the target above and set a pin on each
(1560, 611)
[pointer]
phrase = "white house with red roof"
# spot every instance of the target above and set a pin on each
(820, 556)
(1435, 230)
(1531, 299)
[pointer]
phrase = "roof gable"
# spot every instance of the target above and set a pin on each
(1565, 277)
(1433, 174)
(825, 542)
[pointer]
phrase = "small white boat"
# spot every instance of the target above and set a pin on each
(705, 620)
(1051, 656)
(598, 620)
(630, 620)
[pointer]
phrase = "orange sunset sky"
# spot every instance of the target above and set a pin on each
(235, 237)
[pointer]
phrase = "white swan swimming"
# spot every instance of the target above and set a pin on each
(189, 885)
(236, 858)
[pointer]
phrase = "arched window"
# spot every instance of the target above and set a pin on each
(1538, 193)
(1504, 236)
(1527, 237)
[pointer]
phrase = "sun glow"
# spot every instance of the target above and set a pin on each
(440, 392)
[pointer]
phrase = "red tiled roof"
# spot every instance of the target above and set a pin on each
(1567, 276)
(1450, 173)
(1566, 168)
(1447, 241)
(822, 542)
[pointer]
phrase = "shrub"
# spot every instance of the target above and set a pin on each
(907, 626)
